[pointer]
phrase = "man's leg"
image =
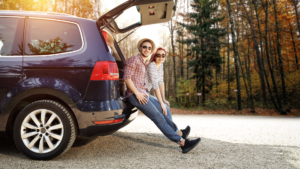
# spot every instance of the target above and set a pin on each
(168, 117)
(157, 117)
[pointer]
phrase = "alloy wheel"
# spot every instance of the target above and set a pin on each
(42, 131)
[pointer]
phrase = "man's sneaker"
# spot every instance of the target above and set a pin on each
(189, 145)
(186, 132)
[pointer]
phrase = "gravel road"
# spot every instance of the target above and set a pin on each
(227, 142)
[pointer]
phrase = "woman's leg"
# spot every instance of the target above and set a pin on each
(169, 116)
(157, 105)
(157, 117)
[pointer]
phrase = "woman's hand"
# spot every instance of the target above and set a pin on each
(141, 98)
(165, 101)
(164, 109)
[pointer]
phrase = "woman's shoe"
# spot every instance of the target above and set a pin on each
(186, 132)
(189, 145)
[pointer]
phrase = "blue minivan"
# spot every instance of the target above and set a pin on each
(62, 76)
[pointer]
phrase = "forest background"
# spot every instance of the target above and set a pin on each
(236, 54)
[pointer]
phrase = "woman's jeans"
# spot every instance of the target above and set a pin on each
(166, 126)
(157, 105)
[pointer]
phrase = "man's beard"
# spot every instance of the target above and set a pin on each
(144, 55)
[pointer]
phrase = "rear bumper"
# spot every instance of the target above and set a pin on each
(127, 115)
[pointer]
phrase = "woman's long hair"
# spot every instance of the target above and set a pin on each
(153, 55)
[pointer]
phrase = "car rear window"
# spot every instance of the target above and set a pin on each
(44, 37)
(9, 43)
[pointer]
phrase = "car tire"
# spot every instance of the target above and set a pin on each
(44, 130)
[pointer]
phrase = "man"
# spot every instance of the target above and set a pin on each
(138, 96)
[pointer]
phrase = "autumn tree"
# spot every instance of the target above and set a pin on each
(205, 41)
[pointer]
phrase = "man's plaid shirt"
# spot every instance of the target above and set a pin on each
(135, 69)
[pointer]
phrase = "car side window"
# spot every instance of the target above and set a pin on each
(46, 37)
(10, 38)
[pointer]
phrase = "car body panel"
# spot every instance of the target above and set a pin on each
(11, 71)
(66, 76)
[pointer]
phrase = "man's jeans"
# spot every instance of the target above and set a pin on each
(158, 107)
(166, 126)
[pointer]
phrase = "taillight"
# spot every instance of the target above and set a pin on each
(108, 122)
(105, 70)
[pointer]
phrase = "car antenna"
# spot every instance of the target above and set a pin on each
(129, 34)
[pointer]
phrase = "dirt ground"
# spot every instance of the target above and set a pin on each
(258, 112)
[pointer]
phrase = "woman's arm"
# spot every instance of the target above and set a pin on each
(159, 98)
(161, 84)
(153, 78)
(162, 91)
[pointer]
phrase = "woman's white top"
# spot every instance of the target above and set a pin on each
(154, 76)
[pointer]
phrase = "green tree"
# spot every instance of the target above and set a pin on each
(49, 47)
(204, 42)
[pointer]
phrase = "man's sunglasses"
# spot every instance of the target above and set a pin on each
(145, 47)
(160, 56)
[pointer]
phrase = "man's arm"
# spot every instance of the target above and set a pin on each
(141, 97)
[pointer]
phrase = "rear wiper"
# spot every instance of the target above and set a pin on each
(129, 34)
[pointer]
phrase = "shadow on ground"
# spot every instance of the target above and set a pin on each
(135, 150)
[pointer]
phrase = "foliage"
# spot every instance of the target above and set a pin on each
(204, 42)
(244, 14)
(186, 86)
(48, 47)
(82, 8)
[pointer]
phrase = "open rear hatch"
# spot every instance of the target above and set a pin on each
(149, 11)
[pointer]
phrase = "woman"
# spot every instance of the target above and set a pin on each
(154, 79)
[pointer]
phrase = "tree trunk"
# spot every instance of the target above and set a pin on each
(223, 64)
(174, 58)
(66, 6)
(237, 67)
(259, 59)
(181, 58)
(275, 57)
(187, 59)
(55, 6)
(96, 10)
(244, 77)
(249, 79)
(203, 74)
(280, 109)
(296, 12)
(170, 78)
(228, 64)
(187, 67)
(294, 46)
(280, 55)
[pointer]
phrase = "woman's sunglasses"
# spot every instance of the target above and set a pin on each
(145, 47)
(160, 56)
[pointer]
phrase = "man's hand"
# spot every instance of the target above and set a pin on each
(165, 101)
(164, 109)
(141, 98)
